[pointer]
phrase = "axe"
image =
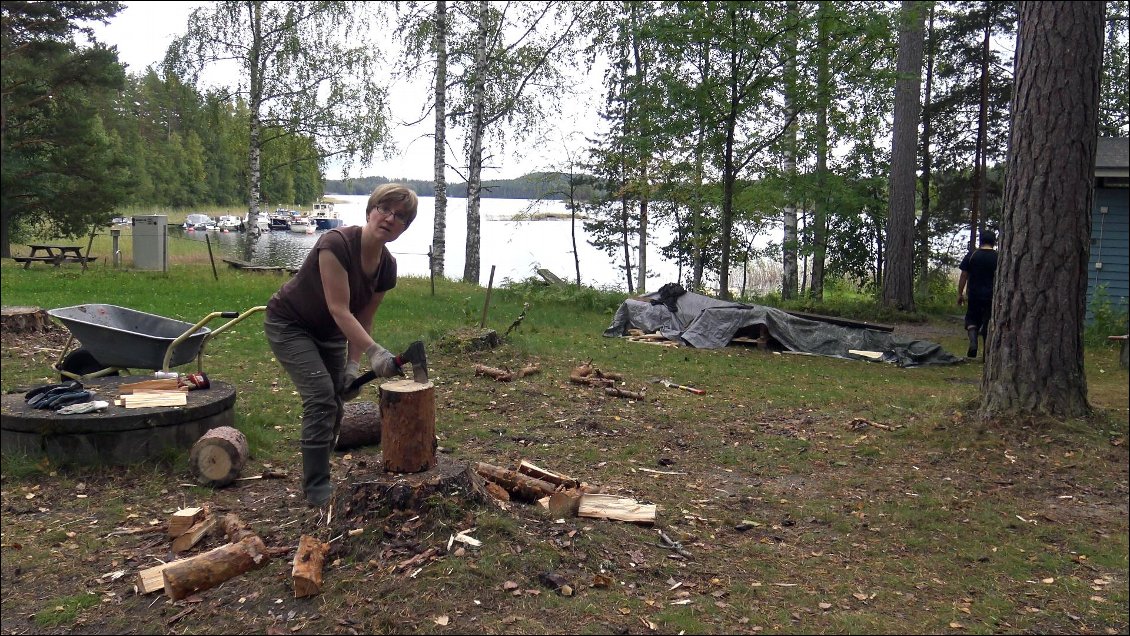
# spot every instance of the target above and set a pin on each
(414, 354)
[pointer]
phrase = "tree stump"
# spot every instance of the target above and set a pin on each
(408, 426)
(361, 426)
(24, 320)
(473, 339)
(217, 457)
(371, 496)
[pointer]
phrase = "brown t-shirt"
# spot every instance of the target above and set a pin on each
(302, 300)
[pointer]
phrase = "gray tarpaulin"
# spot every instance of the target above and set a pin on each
(708, 323)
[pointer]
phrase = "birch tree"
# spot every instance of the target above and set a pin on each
(304, 69)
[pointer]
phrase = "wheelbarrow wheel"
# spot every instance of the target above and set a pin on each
(81, 362)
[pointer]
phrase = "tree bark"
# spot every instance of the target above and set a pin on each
(475, 152)
(212, 568)
(789, 240)
(898, 278)
(1034, 364)
(439, 228)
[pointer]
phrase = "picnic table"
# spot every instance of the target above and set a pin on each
(54, 254)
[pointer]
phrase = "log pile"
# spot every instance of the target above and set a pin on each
(563, 496)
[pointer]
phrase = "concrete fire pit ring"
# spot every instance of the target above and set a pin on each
(116, 435)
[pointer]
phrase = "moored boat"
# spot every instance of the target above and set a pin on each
(324, 216)
(301, 225)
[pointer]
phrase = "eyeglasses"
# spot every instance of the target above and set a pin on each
(403, 217)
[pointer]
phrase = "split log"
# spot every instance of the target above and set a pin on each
(194, 534)
(217, 457)
(150, 399)
(306, 573)
(624, 393)
(360, 426)
(151, 579)
(502, 375)
(183, 519)
(498, 492)
(521, 487)
(24, 320)
(408, 426)
(212, 568)
(618, 508)
(160, 384)
(528, 468)
(564, 504)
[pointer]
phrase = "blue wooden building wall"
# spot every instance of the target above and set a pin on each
(1110, 246)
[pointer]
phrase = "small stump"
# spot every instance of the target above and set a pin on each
(24, 320)
(218, 456)
(473, 340)
(368, 497)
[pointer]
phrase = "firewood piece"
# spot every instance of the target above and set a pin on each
(521, 487)
(194, 534)
(234, 529)
(183, 519)
(217, 457)
(563, 504)
(502, 375)
(557, 479)
(408, 426)
(617, 508)
(150, 399)
(306, 573)
(151, 580)
(160, 384)
(528, 370)
(360, 426)
(618, 392)
(208, 570)
(498, 492)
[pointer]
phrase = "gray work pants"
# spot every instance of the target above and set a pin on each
(317, 368)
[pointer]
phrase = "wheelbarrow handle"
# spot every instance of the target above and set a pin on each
(235, 318)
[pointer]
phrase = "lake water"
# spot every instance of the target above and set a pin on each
(517, 249)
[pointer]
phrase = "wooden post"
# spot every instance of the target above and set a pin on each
(208, 241)
(408, 426)
(217, 457)
(486, 303)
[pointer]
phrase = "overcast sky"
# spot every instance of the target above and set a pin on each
(143, 31)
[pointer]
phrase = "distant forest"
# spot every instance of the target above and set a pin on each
(536, 185)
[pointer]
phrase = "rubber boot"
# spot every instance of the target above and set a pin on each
(316, 483)
(972, 353)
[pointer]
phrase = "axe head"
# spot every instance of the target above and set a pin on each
(415, 354)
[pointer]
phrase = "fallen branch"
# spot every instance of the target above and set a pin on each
(618, 392)
(502, 375)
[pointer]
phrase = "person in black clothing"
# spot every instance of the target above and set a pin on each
(977, 271)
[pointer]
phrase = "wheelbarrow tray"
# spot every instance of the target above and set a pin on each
(126, 338)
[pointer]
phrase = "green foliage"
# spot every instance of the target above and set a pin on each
(541, 295)
(1107, 318)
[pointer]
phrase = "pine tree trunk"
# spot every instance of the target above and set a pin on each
(1034, 364)
(439, 229)
(898, 281)
(824, 100)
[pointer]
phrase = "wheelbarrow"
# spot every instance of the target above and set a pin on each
(119, 339)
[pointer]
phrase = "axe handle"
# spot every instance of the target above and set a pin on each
(366, 378)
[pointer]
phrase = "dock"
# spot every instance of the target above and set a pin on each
(251, 267)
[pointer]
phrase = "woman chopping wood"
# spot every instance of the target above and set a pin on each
(319, 323)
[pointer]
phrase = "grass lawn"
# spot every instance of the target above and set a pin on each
(811, 494)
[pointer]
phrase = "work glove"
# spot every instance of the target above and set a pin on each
(83, 407)
(382, 362)
(352, 372)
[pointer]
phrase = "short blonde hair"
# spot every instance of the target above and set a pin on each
(393, 194)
